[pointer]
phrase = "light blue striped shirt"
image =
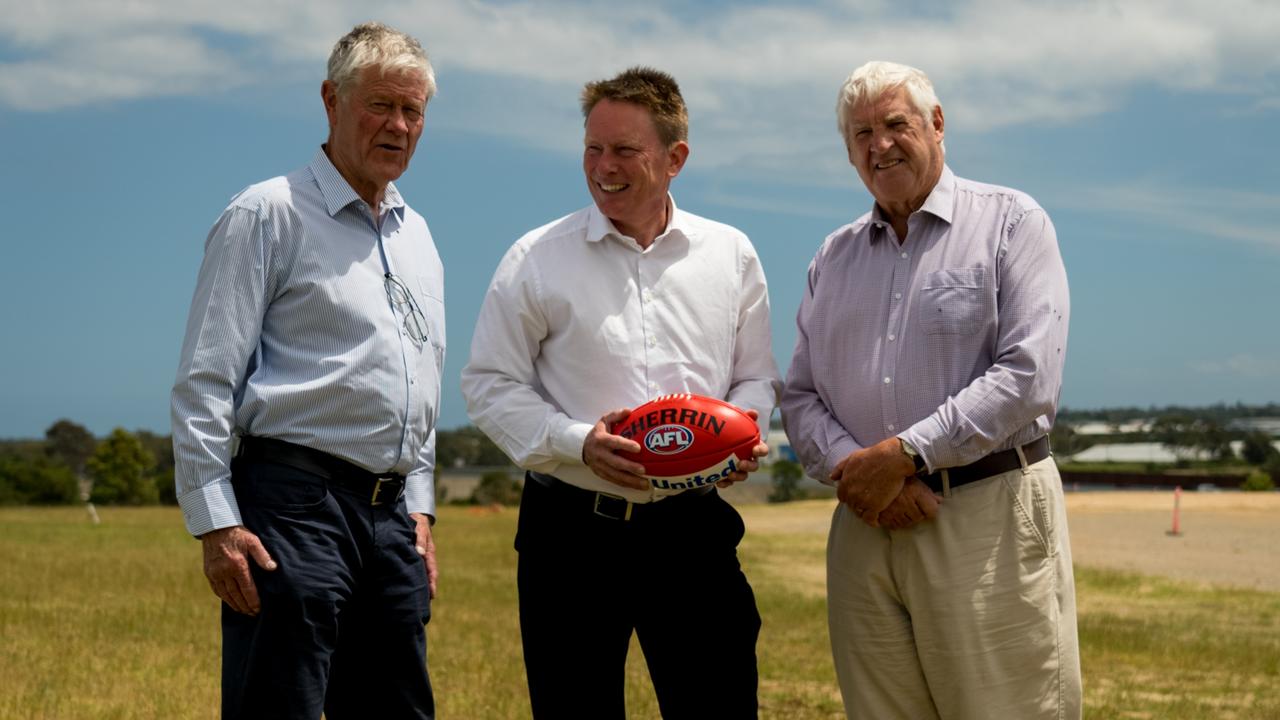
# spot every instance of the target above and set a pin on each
(953, 341)
(292, 336)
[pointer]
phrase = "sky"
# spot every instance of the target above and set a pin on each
(1144, 128)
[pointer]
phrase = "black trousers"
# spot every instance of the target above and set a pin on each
(342, 622)
(670, 574)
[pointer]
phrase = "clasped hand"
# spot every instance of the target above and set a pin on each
(879, 486)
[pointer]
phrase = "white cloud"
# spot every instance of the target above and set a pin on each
(1243, 365)
(1243, 216)
(761, 81)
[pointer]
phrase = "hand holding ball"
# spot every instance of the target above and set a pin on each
(688, 441)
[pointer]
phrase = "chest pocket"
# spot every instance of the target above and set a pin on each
(952, 301)
(433, 307)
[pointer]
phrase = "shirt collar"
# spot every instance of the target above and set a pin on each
(940, 203)
(599, 227)
(338, 193)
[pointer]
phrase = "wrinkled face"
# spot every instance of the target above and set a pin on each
(374, 127)
(627, 166)
(898, 153)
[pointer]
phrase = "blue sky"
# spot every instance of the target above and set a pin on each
(1146, 129)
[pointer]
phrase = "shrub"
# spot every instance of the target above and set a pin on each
(1258, 481)
(496, 488)
(786, 477)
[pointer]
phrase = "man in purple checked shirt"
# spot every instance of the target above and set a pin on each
(925, 379)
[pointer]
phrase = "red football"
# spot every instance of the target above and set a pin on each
(688, 441)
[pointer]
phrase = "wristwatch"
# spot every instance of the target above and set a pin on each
(921, 468)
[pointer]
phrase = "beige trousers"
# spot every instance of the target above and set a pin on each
(969, 616)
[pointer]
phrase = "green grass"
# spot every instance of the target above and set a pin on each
(116, 621)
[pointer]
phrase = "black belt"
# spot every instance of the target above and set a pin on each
(993, 464)
(378, 487)
(607, 505)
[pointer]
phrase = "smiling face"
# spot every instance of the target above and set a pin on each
(374, 128)
(898, 153)
(628, 168)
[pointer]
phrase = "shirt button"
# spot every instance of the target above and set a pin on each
(891, 427)
(653, 342)
(887, 381)
(906, 255)
(897, 296)
(892, 337)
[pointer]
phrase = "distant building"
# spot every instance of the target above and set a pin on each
(1145, 452)
(779, 446)
(1104, 428)
(1268, 425)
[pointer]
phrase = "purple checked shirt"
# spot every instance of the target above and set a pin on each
(953, 341)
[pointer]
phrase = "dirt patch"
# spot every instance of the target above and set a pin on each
(1226, 538)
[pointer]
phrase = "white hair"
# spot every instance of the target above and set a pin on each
(869, 82)
(373, 44)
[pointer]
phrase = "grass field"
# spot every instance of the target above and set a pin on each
(116, 621)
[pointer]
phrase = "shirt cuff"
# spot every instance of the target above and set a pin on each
(568, 439)
(419, 493)
(210, 507)
(929, 439)
(838, 452)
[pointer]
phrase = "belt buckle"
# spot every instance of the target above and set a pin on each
(611, 501)
(377, 490)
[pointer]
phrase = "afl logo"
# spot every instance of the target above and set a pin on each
(668, 439)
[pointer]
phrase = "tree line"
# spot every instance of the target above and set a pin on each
(71, 465)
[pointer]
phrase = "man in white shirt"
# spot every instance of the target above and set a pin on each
(587, 317)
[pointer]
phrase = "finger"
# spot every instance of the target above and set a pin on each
(760, 450)
(614, 416)
(842, 494)
(421, 533)
(623, 475)
(615, 443)
(433, 571)
(232, 595)
(603, 468)
(259, 553)
(838, 471)
(747, 466)
(622, 465)
(248, 590)
(928, 505)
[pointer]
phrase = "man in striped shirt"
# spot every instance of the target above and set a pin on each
(925, 379)
(316, 337)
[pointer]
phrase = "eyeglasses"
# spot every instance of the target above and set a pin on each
(415, 323)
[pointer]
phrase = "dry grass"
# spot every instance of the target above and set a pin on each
(116, 621)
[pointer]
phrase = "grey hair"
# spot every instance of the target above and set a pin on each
(373, 44)
(874, 79)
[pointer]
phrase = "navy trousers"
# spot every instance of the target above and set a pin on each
(670, 574)
(341, 628)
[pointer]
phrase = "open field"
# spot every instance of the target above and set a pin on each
(116, 621)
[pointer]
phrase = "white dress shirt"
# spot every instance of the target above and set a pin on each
(580, 320)
(292, 336)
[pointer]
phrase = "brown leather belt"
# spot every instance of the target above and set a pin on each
(993, 464)
(379, 488)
